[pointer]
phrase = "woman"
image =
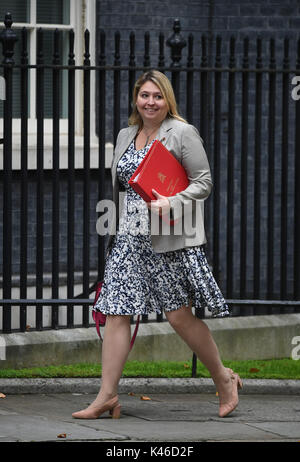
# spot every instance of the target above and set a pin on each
(145, 272)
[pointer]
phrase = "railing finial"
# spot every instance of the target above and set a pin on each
(8, 39)
(176, 42)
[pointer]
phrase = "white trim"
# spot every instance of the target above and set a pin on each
(33, 11)
(32, 77)
(78, 51)
(90, 24)
(31, 25)
(32, 157)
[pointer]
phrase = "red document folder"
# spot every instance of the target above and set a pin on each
(161, 171)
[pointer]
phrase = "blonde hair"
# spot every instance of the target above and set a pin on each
(165, 87)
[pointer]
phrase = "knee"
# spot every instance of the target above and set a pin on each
(180, 317)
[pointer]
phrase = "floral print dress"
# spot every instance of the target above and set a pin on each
(137, 280)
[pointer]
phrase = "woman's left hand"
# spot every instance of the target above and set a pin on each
(161, 205)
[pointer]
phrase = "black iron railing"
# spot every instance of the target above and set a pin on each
(250, 126)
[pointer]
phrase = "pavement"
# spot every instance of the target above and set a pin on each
(179, 410)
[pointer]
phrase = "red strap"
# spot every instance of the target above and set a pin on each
(98, 324)
(135, 332)
(100, 318)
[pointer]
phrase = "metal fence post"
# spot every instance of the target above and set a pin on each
(297, 190)
(8, 39)
(176, 42)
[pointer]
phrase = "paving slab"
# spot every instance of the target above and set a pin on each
(178, 417)
(31, 428)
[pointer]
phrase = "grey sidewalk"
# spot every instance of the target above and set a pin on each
(180, 410)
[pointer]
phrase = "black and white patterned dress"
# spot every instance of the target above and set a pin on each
(137, 280)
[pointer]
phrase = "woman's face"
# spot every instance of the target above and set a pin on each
(150, 104)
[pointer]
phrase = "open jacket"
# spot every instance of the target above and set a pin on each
(184, 142)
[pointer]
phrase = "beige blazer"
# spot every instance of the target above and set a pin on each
(187, 207)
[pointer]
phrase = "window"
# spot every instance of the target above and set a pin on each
(50, 15)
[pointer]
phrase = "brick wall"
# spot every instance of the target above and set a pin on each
(263, 18)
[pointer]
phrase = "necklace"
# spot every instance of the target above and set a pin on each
(149, 136)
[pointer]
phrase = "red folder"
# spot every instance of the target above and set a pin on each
(161, 171)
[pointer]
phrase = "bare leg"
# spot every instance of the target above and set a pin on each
(198, 337)
(115, 350)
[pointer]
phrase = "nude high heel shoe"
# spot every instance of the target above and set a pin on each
(93, 412)
(227, 408)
